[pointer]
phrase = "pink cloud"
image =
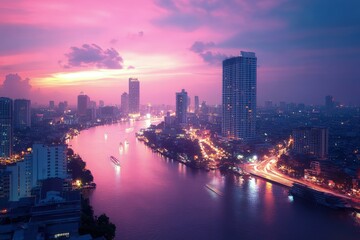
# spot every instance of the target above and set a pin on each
(156, 39)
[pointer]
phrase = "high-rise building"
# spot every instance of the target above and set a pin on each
(51, 104)
(189, 104)
(42, 163)
(6, 126)
(196, 103)
(20, 179)
(82, 104)
(329, 103)
(311, 140)
(4, 182)
(48, 162)
(61, 107)
(239, 97)
(181, 106)
(124, 103)
(22, 113)
(134, 96)
(91, 110)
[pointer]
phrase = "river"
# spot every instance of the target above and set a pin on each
(151, 197)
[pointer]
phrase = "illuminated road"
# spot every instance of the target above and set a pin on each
(267, 170)
(209, 151)
(263, 169)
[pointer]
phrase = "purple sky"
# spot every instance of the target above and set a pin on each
(306, 49)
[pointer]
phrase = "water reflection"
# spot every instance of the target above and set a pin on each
(117, 170)
(121, 149)
(269, 203)
(182, 169)
(151, 197)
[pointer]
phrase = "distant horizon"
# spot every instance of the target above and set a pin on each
(275, 104)
(54, 50)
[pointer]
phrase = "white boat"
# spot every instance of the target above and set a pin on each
(115, 160)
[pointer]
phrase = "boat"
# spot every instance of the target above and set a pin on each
(115, 160)
(302, 191)
(214, 190)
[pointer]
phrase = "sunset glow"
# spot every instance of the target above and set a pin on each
(72, 46)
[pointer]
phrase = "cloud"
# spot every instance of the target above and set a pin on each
(199, 47)
(213, 58)
(202, 49)
(167, 4)
(91, 55)
(15, 87)
(217, 15)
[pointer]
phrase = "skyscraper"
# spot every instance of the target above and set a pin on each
(6, 126)
(51, 104)
(239, 97)
(196, 103)
(311, 140)
(125, 103)
(181, 106)
(134, 96)
(61, 107)
(82, 104)
(329, 103)
(22, 113)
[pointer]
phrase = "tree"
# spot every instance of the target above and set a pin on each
(95, 226)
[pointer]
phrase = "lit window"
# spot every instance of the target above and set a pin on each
(60, 235)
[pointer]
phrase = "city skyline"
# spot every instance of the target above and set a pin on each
(306, 50)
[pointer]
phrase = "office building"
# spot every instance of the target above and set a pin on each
(311, 140)
(61, 107)
(181, 106)
(239, 97)
(22, 113)
(134, 96)
(48, 162)
(82, 104)
(6, 126)
(4, 182)
(124, 103)
(20, 179)
(44, 162)
(196, 103)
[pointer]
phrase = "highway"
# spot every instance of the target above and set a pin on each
(267, 169)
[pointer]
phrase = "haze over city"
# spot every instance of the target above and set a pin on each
(305, 49)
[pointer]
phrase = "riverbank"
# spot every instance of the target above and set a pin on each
(184, 159)
(83, 180)
(147, 190)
